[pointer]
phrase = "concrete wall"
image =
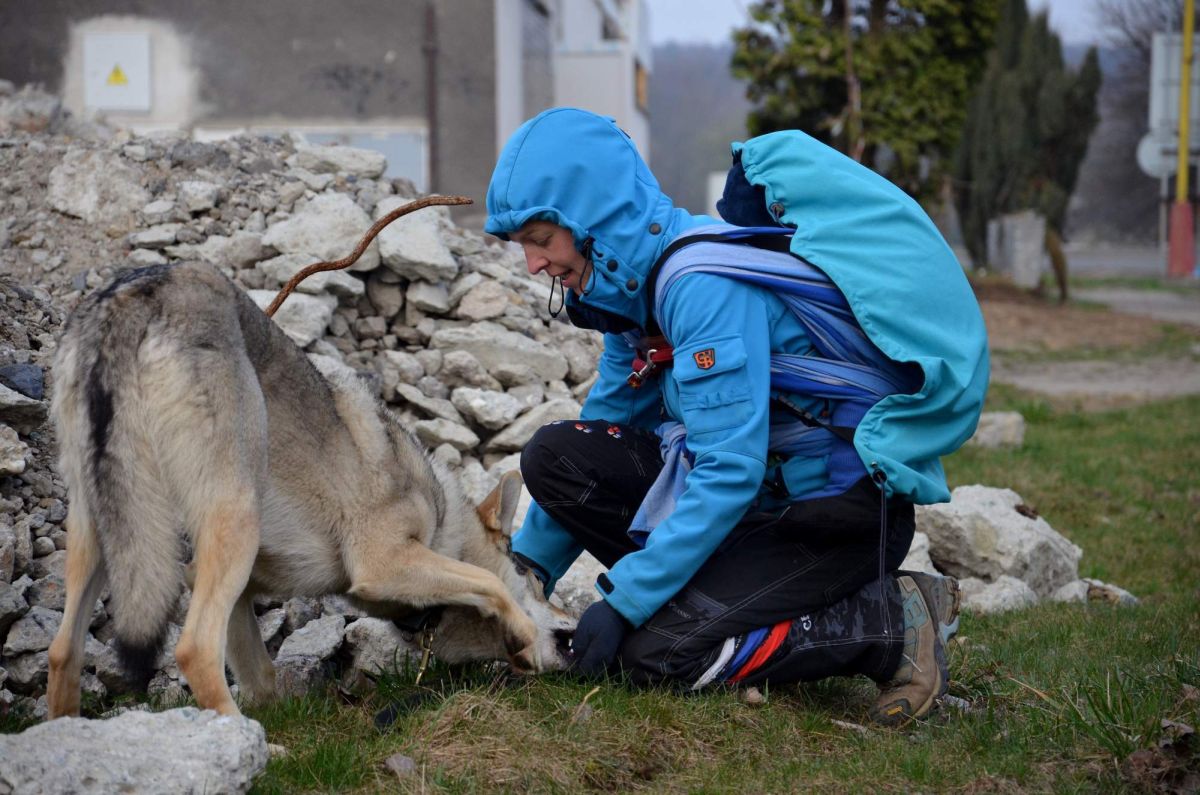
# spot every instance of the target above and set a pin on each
(225, 63)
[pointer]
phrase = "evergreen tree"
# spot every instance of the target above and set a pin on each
(887, 85)
(1026, 133)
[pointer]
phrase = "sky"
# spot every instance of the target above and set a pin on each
(709, 21)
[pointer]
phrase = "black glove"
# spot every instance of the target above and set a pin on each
(597, 639)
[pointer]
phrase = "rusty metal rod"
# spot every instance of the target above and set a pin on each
(346, 262)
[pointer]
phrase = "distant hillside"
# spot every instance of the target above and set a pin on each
(696, 109)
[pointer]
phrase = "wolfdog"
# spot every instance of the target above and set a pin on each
(188, 421)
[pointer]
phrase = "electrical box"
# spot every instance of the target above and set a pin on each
(116, 71)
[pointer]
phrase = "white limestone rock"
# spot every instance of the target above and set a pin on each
(439, 408)
(14, 454)
(489, 299)
(386, 297)
(576, 590)
(492, 410)
(378, 646)
(999, 429)
(34, 631)
(331, 159)
(197, 195)
(495, 346)
(279, 270)
(138, 753)
(12, 606)
(1003, 594)
(515, 436)
(155, 237)
(97, 186)
(980, 533)
(431, 298)
(412, 245)
(318, 639)
(303, 318)
(435, 432)
(918, 556)
(239, 250)
(327, 229)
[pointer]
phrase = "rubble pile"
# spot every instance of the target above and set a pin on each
(446, 326)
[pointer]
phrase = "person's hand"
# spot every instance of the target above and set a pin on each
(597, 639)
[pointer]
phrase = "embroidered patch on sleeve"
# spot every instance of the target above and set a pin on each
(706, 358)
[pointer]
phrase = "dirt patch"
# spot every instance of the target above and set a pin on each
(1019, 322)
(1116, 362)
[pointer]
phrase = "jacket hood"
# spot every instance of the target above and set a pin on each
(583, 172)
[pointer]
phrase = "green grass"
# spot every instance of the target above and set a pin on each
(1056, 698)
(1061, 698)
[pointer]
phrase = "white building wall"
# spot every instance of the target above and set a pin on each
(600, 74)
(510, 95)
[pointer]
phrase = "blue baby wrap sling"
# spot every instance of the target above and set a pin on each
(848, 373)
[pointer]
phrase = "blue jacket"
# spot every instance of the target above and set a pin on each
(904, 285)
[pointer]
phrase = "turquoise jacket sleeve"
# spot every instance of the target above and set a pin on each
(719, 388)
(545, 541)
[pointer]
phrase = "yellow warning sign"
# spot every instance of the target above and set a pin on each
(117, 77)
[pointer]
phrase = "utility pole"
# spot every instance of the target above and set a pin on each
(1181, 255)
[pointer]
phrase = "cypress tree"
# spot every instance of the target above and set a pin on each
(1026, 133)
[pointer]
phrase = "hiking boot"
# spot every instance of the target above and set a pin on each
(930, 606)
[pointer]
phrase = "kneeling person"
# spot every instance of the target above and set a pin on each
(773, 398)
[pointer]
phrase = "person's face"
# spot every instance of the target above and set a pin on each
(550, 248)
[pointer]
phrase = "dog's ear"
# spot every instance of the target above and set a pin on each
(497, 509)
(510, 495)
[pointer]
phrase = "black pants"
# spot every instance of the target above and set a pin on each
(817, 564)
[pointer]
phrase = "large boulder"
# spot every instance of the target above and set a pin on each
(988, 533)
(178, 751)
(328, 228)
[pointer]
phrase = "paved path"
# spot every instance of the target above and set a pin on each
(1170, 307)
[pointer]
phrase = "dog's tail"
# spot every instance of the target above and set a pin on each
(108, 455)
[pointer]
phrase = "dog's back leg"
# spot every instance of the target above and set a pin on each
(85, 579)
(248, 658)
(226, 543)
(214, 398)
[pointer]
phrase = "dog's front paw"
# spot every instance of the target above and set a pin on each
(526, 660)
